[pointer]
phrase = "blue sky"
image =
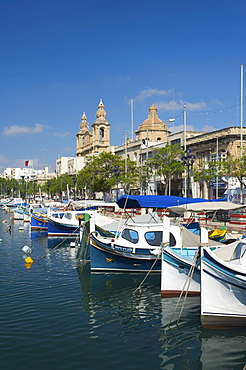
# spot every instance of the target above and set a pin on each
(60, 57)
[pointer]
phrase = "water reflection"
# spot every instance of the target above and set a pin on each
(110, 301)
(223, 349)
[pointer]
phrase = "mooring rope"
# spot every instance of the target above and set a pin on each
(140, 285)
(188, 280)
(58, 245)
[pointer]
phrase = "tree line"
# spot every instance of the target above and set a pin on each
(107, 171)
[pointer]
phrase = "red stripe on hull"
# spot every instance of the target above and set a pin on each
(176, 293)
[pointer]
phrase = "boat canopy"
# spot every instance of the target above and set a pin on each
(154, 201)
(209, 206)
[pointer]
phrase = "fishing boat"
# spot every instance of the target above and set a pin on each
(11, 203)
(137, 247)
(68, 222)
(180, 271)
(223, 286)
(38, 222)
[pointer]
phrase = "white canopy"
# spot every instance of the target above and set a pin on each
(207, 207)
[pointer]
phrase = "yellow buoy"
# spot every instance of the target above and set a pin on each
(29, 260)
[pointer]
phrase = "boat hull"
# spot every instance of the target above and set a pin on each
(223, 293)
(60, 229)
(104, 258)
(38, 223)
(178, 275)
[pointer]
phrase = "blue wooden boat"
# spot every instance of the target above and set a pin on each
(38, 222)
(137, 247)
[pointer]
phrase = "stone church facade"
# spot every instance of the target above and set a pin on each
(96, 140)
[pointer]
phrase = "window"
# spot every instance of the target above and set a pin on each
(130, 235)
(154, 238)
(68, 216)
(101, 132)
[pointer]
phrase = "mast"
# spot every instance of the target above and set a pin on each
(241, 114)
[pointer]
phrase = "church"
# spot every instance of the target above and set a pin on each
(95, 140)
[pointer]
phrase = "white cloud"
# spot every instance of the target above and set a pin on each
(180, 128)
(16, 130)
(207, 128)
(148, 92)
(169, 105)
(179, 105)
(62, 134)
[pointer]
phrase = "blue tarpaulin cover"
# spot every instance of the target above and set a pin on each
(155, 201)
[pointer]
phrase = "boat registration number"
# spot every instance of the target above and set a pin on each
(123, 249)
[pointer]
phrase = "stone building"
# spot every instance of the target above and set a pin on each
(96, 140)
(153, 128)
(152, 134)
(216, 146)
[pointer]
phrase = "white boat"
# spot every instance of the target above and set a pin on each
(223, 286)
(33, 208)
(180, 272)
(180, 268)
(68, 222)
(11, 202)
(138, 246)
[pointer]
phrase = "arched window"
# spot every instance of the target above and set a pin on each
(101, 132)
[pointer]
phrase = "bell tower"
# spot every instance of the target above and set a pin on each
(83, 138)
(100, 130)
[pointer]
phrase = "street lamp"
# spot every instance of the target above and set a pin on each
(117, 173)
(48, 185)
(74, 183)
(188, 160)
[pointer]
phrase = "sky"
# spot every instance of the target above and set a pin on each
(58, 58)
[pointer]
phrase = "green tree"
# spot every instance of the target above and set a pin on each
(166, 163)
(236, 167)
(99, 174)
(206, 171)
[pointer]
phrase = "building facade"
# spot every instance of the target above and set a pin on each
(95, 140)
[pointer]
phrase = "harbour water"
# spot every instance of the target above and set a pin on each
(57, 315)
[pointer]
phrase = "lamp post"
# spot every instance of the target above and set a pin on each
(188, 160)
(34, 183)
(48, 185)
(74, 186)
(117, 173)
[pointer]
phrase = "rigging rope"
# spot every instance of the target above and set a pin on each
(57, 245)
(140, 285)
(188, 280)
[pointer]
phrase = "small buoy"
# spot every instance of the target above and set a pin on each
(27, 249)
(5, 221)
(29, 260)
(72, 244)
